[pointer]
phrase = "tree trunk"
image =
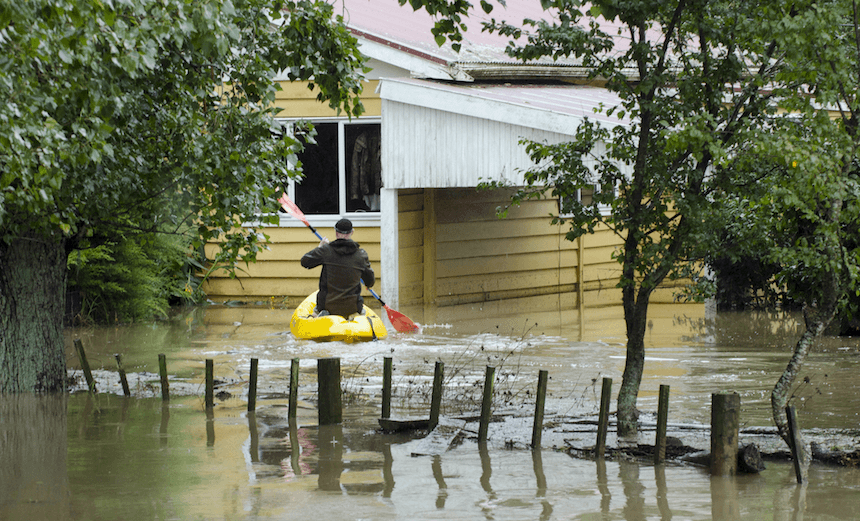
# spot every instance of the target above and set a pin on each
(818, 313)
(815, 325)
(635, 315)
(32, 288)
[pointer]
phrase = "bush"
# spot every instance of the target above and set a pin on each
(133, 280)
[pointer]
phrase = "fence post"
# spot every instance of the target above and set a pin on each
(386, 387)
(725, 424)
(796, 443)
(85, 365)
(162, 371)
(540, 402)
(603, 419)
(209, 400)
(436, 400)
(330, 399)
(487, 404)
(662, 419)
(294, 388)
(252, 386)
(122, 378)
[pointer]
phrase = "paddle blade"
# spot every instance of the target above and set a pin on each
(401, 323)
(293, 210)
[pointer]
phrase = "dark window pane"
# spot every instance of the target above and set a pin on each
(317, 192)
(363, 167)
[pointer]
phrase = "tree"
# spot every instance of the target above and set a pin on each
(809, 215)
(690, 77)
(136, 117)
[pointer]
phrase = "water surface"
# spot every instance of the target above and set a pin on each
(108, 457)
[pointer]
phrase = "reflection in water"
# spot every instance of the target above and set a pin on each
(387, 474)
(210, 427)
(662, 491)
(165, 419)
(254, 448)
(34, 481)
(789, 501)
(301, 447)
(603, 486)
(634, 507)
(540, 479)
(330, 465)
(116, 466)
(442, 495)
(486, 473)
(724, 498)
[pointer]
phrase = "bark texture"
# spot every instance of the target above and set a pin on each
(635, 317)
(32, 289)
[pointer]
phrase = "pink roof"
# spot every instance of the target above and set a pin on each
(386, 22)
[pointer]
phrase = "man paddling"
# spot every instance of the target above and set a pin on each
(345, 266)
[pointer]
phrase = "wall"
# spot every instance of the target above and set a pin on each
(521, 262)
(277, 272)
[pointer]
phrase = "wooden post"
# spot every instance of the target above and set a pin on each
(662, 419)
(603, 419)
(85, 365)
(294, 388)
(436, 400)
(252, 386)
(209, 401)
(122, 378)
(540, 402)
(487, 404)
(330, 400)
(162, 370)
(796, 443)
(725, 424)
(386, 387)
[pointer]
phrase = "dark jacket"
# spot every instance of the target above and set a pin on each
(345, 265)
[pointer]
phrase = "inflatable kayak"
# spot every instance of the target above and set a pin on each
(359, 328)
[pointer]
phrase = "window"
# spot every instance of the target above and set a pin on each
(342, 171)
(585, 197)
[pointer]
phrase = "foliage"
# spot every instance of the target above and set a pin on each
(133, 280)
(154, 116)
(811, 210)
(145, 115)
(689, 78)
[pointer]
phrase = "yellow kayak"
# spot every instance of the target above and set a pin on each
(358, 328)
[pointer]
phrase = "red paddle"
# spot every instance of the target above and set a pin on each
(401, 322)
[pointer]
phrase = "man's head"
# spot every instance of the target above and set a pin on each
(343, 229)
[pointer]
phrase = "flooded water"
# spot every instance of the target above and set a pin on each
(107, 457)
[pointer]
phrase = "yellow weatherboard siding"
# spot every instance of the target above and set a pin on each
(297, 101)
(277, 272)
(480, 258)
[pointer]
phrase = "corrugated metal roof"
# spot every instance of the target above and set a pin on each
(555, 108)
(401, 28)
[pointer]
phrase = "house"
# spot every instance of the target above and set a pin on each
(437, 124)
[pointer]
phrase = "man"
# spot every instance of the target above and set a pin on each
(345, 265)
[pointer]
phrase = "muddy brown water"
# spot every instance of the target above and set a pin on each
(105, 457)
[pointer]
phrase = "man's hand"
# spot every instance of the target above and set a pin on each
(323, 242)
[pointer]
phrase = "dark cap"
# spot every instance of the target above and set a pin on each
(343, 226)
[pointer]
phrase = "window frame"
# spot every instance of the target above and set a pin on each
(359, 219)
(604, 209)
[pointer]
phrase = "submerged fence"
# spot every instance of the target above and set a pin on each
(725, 407)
